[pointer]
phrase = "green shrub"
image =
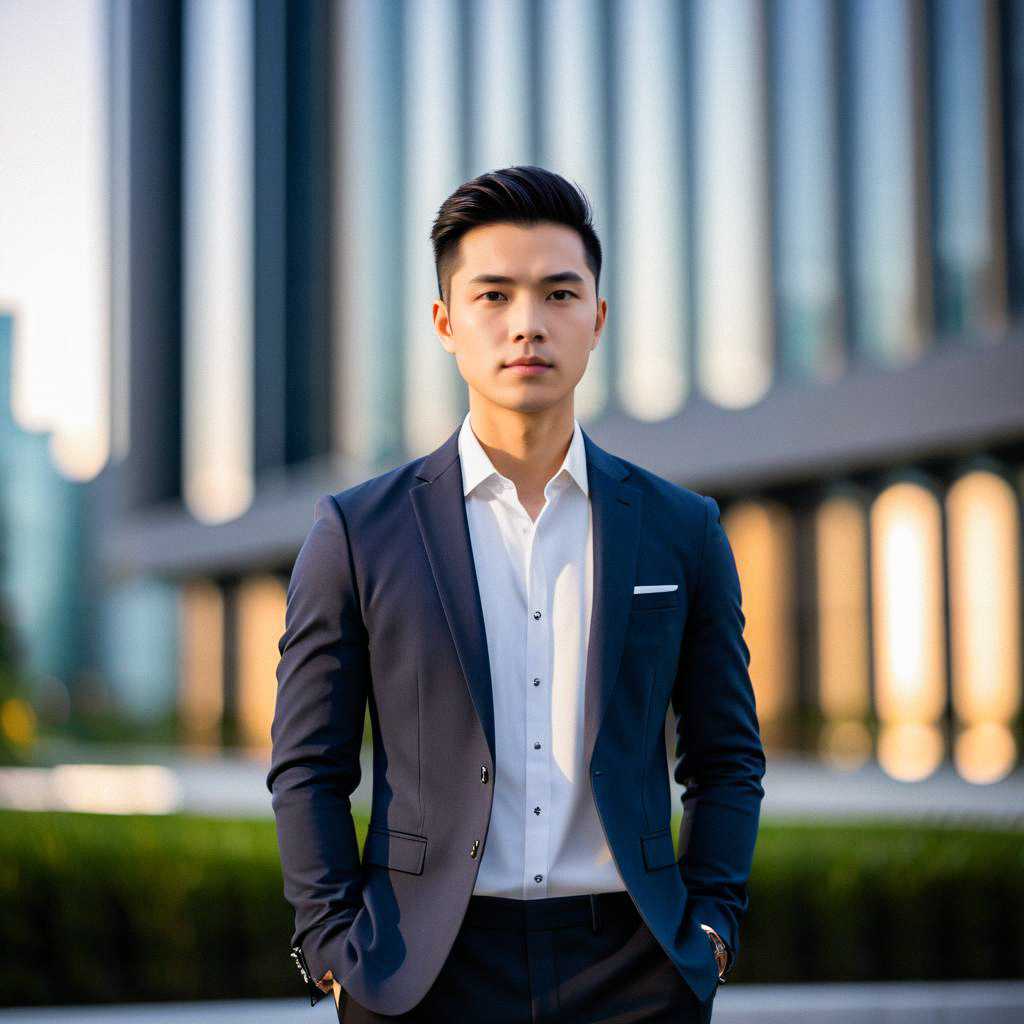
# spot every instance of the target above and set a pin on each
(110, 908)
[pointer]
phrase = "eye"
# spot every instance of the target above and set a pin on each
(485, 295)
(564, 291)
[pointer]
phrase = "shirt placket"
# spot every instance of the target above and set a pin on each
(539, 640)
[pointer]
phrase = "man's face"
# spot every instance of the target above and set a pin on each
(519, 291)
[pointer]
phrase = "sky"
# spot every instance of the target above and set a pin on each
(54, 245)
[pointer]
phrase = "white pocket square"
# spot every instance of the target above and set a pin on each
(658, 588)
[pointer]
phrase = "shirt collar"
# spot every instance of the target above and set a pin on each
(477, 465)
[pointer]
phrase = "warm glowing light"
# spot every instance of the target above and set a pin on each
(908, 616)
(841, 545)
(985, 753)
(909, 751)
(985, 619)
(202, 663)
(261, 608)
(17, 722)
(761, 536)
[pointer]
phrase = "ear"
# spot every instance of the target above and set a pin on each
(442, 325)
(602, 314)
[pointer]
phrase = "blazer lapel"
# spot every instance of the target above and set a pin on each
(441, 514)
(615, 508)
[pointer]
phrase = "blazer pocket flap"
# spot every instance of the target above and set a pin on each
(659, 849)
(400, 851)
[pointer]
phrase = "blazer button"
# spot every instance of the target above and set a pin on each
(476, 846)
(483, 773)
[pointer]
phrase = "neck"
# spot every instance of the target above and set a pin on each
(527, 447)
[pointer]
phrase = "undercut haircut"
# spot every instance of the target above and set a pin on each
(522, 194)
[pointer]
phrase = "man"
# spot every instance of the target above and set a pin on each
(519, 609)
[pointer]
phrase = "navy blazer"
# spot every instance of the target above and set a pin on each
(383, 607)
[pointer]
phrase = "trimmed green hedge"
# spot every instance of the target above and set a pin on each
(99, 908)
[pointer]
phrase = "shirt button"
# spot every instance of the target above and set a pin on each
(538, 878)
(536, 682)
(536, 810)
(536, 746)
(483, 773)
(536, 615)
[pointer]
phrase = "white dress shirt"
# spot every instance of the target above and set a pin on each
(536, 586)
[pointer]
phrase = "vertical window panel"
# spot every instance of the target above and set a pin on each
(888, 272)
(139, 642)
(808, 285)
(202, 663)
(970, 277)
(368, 257)
(434, 391)
(908, 629)
(571, 75)
(841, 545)
(650, 273)
(261, 610)
(218, 283)
(1012, 53)
(734, 301)
(503, 74)
(985, 613)
(762, 539)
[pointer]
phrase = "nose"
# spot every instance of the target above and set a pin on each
(526, 321)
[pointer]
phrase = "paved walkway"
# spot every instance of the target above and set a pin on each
(234, 785)
(1000, 1002)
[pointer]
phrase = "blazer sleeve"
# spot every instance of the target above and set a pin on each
(322, 685)
(719, 755)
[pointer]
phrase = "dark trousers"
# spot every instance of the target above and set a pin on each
(567, 959)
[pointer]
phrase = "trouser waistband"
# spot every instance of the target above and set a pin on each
(551, 912)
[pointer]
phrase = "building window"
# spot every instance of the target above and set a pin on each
(261, 612)
(202, 663)
(807, 276)
(888, 275)
(651, 283)
(761, 534)
(908, 620)
(218, 274)
(841, 547)
(733, 286)
(970, 279)
(984, 531)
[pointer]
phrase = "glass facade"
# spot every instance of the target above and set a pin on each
(797, 200)
(970, 293)
(218, 206)
(805, 188)
(733, 287)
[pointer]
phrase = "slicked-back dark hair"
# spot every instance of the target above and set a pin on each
(517, 195)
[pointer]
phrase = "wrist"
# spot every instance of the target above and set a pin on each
(723, 955)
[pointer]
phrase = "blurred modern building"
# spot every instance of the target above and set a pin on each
(813, 220)
(42, 559)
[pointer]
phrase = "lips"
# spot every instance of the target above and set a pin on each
(528, 369)
(528, 361)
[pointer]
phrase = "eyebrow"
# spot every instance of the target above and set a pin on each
(562, 276)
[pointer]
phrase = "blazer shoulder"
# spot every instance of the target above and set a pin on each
(669, 495)
(378, 494)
